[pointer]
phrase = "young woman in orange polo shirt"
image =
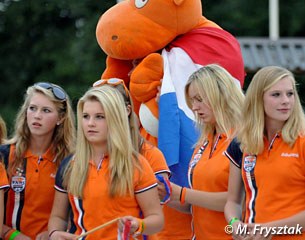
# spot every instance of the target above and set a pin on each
(215, 98)
(106, 178)
(44, 135)
(153, 155)
(268, 160)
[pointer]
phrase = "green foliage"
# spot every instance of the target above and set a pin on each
(48, 40)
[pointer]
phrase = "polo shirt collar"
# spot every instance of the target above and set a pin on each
(48, 155)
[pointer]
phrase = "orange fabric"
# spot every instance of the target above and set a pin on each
(97, 207)
(148, 137)
(177, 225)
(29, 211)
(277, 183)
(155, 158)
(4, 184)
(147, 76)
(211, 174)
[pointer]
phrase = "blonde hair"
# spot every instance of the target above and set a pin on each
(132, 118)
(63, 135)
(223, 95)
(252, 129)
(123, 157)
(3, 131)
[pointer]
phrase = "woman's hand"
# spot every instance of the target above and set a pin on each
(42, 236)
(133, 227)
(61, 235)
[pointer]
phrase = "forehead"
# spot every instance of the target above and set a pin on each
(40, 99)
(93, 106)
(193, 90)
(283, 84)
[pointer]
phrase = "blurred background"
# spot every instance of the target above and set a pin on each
(54, 40)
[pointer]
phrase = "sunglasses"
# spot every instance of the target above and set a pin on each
(57, 91)
(113, 82)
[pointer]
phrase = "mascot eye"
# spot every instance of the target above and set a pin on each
(140, 3)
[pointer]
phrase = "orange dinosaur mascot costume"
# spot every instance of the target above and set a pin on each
(149, 42)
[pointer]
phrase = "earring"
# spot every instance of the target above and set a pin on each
(57, 123)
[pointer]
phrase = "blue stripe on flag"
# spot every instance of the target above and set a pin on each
(176, 137)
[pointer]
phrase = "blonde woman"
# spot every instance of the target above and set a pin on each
(44, 135)
(106, 178)
(268, 160)
(215, 99)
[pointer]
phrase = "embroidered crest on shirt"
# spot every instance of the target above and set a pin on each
(249, 163)
(18, 181)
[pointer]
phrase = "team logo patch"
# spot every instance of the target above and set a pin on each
(18, 183)
(249, 163)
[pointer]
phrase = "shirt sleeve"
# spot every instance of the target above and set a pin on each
(155, 159)
(60, 175)
(144, 179)
(234, 153)
(4, 184)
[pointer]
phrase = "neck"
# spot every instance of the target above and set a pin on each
(98, 153)
(39, 145)
(272, 128)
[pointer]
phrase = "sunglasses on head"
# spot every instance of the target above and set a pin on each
(112, 82)
(57, 91)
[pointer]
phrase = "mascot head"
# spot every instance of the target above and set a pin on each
(132, 29)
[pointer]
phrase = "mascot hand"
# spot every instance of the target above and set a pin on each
(146, 77)
(117, 68)
(149, 117)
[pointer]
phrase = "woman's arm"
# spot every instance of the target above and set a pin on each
(153, 216)
(233, 206)
(59, 216)
(174, 197)
(152, 211)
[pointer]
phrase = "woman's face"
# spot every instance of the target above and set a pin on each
(42, 115)
(201, 106)
(94, 123)
(279, 102)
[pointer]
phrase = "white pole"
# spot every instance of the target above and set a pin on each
(274, 20)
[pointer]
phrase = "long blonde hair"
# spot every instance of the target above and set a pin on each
(132, 118)
(63, 135)
(123, 157)
(223, 95)
(3, 131)
(252, 130)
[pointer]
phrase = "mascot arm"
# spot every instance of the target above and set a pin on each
(146, 77)
(117, 68)
(144, 82)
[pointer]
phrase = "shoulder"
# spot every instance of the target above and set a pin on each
(234, 153)
(4, 153)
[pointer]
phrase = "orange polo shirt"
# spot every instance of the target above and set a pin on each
(274, 181)
(209, 172)
(4, 184)
(97, 207)
(31, 195)
(155, 158)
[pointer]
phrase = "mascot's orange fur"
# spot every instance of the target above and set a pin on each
(147, 41)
